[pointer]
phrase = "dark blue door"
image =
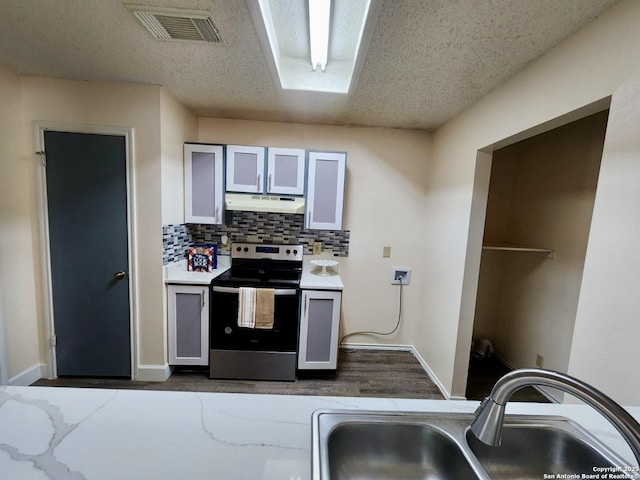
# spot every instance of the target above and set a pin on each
(87, 209)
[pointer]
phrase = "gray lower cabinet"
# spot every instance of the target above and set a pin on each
(319, 325)
(188, 312)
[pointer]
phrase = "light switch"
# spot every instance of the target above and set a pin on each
(386, 252)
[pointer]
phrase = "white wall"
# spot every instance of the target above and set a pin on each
(120, 105)
(14, 229)
(177, 126)
(541, 195)
(385, 191)
(583, 69)
(4, 372)
(605, 343)
(18, 264)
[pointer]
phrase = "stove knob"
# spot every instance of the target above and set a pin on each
(288, 251)
(246, 249)
(238, 249)
(295, 252)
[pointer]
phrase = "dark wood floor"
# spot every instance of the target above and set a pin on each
(361, 373)
(483, 374)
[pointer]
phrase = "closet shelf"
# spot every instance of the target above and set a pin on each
(507, 247)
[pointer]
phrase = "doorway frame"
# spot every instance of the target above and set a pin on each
(475, 234)
(45, 254)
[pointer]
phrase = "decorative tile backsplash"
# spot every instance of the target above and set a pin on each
(175, 241)
(252, 227)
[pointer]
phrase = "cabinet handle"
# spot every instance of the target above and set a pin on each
(202, 300)
(258, 184)
(217, 214)
(269, 184)
(308, 218)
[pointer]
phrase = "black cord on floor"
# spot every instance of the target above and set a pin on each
(375, 333)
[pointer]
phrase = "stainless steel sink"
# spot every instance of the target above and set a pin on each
(386, 450)
(351, 444)
(530, 452)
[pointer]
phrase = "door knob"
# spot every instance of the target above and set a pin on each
(119, 275)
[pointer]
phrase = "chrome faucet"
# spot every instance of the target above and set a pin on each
(489, 417)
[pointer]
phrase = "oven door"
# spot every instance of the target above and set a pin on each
(226, 335)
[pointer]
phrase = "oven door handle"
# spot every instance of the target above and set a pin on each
(277, 291)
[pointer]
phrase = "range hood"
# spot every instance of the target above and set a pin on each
(263, 203)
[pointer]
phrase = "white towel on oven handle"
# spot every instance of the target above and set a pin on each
(247, 307)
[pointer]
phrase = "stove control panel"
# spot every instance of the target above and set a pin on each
(266, 250)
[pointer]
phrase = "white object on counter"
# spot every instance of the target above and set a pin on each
(132, 434)
(325, 266)
(310, 281)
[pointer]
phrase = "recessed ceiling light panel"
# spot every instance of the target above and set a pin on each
(349, 34)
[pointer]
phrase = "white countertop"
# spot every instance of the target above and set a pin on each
(95, 434)
(311, 280)
(176, 273)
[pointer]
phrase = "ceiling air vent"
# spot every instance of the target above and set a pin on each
(178, 24)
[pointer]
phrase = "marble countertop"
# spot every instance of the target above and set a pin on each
(176, 273)
(100, 434)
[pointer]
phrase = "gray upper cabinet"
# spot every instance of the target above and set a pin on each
(285, 171)
(203, 186)
(245, 169)
(325, 190)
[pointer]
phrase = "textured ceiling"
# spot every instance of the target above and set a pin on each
(427, 60)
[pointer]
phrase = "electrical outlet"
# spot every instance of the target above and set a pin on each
(386, 252)
(400, 275)
(317, 248)
(539, 361)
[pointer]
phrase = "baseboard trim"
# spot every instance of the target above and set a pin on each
(407, 348)
(541, 390)
(434, 378)
(153, 373)
(374, 346)
(29, 376)
(146, 373)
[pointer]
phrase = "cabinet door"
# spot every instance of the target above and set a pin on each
(245, 169)
(285, 171)
(319, 322)
(325, 190)
(203, 191)
(188, 308)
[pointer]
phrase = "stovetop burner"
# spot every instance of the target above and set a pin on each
(263, 266)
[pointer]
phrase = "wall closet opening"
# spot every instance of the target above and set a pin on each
(539, 208)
